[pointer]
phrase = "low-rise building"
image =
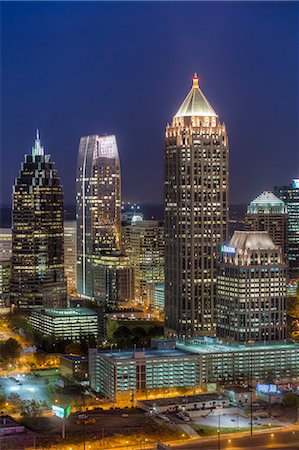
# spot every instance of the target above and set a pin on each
(65, 323)
(184, 403)
(240, 395)
(9, 426)
(74, 368)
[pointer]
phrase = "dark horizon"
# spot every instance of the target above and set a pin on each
(73, 69)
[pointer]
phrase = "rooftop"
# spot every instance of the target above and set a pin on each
(267, 203)
(181, 400)
(66, 312)
(147, 353)
(207, 345)
(252, 240)
(195, 104)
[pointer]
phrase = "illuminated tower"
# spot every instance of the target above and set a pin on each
(290, 196)
(268, 213)
(37, 234)
(196, 213)
(251, 289)
(98, 206)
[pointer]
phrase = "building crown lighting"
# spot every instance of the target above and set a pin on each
(37, 149)
(195, 104)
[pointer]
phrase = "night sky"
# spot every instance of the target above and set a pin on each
(73, 69)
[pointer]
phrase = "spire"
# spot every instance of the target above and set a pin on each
(37, 149)
(195, 104)
(195, 81)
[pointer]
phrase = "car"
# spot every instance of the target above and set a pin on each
(82, 416)
(186, 419)
(232, 420)
(125, 415)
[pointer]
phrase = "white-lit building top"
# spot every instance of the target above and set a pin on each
(195, 104)
(267, 203)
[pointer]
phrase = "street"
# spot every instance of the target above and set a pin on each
(277, 440)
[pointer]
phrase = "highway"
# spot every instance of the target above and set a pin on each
(277, 440)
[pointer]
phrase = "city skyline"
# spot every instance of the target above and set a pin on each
(243, 91)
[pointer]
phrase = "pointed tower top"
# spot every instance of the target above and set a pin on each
(195, 104)
(37, 149)
(195, 81)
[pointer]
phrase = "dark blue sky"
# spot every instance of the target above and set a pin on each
(73, 69)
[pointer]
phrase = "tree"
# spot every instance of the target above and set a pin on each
(74, 348)
(10, 349)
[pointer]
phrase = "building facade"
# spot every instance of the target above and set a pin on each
(71, 324)
(251, 289)
(196, 177)
(119, 373)
(191, 364)
(113, 280)
(98, 206)
(290, 196)
(144, 245)
(268, 213)
(5, 244)
(37, 234)
(70, 255)
(5, 280)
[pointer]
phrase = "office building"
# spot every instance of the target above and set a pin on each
(190, 363)
(113, 280)
(268, 213)
(71, 324)
(156, 293)
(290, 196)
(144, 245)
(70, 255)
(74, 368)
(251, 289)
(5, 244)
(98, 206)
(37, 234)
(5, 280)
(196, 176)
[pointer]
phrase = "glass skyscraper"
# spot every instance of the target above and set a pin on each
(37, 234)
(98, 207)
(196, 213)
(290, 196)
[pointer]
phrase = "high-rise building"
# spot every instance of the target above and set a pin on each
(251, 289)
(70, 255)
(98, 207)
(37, 233)
(144, 245)
(5, 244)
(290, 196)
(268, 213)
(113, 280)
(196, 213)
(5, 280)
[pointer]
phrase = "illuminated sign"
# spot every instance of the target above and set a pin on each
(62, 413)
(228, 249)
(267, 388)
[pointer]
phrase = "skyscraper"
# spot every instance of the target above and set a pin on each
(196, 213)
(37, 233)
(251, 289)
(268, 213)
(144, 245)
(70, 255)
(290, 196)
(98, 207)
